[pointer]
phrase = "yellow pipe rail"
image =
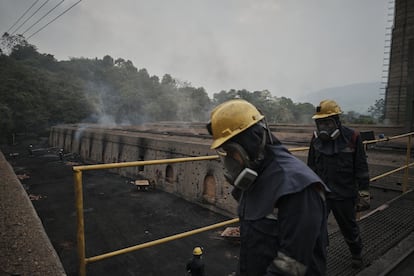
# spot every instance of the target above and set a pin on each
(142, 163)
(409, 134)
(298, 149)
(391, 172)
(79, 199)
(407, 160)
(80, 222)
(160, 241)
(79, 195)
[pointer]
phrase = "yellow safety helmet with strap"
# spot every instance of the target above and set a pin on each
(230, 118)
(197, 251)
(327, 108)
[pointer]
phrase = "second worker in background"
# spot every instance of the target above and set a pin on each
(337, 155)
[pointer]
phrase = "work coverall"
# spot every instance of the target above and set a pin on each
(283, 218)
(195, 267)
(343, 166)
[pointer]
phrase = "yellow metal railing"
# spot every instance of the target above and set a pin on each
(386, 139)
(407, 158)
(83, 260)
(160, 241)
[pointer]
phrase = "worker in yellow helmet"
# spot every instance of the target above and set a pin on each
(337, 155)
(281, 205)
(195, 267)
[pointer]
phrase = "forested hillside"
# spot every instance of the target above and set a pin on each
(37, 91)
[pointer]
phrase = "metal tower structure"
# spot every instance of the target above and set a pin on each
(399, 92)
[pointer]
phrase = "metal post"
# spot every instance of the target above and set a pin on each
(80, 224)
(407, 161)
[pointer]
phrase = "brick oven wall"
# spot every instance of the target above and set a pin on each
(192, 181)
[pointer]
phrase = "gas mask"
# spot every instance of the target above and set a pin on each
(238, 168)
(327, 129)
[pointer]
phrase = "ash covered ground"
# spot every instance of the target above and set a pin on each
(118, 215)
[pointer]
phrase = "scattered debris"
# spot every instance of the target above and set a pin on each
(36, 197)
(72, 163)
(231, 233)
(142, 184)
(22, 176)
(67, 245)
(30, 149)
(14, 155)
(88, 210)
(61, 154)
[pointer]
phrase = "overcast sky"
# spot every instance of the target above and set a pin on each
(289, 47)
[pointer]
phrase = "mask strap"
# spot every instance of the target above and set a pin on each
(267, 129)
(264, 124)
(260, 155)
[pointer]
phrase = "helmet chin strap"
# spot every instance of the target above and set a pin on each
(260, 156)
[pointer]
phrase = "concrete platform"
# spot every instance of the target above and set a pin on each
(117, 215)
(25, 248)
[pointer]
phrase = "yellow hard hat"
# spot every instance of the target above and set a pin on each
(197, 251)
(230, 118)
(327, 108)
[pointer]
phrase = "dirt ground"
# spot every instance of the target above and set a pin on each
(117, 215)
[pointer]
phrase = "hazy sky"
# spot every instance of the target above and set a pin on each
(290, 47)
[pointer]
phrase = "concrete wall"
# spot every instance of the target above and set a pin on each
(25, 249)
(201, 182)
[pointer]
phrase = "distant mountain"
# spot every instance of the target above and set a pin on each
(355, 97)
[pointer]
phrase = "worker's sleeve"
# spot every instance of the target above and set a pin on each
(302, 230)
(361, 166)
(311, 155)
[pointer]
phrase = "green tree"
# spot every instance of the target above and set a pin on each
(377, 111)
(276, 110)
(352, 117)
(8, 42)
(193, 104)
(303, 112)
(223, 96)
(6, 122)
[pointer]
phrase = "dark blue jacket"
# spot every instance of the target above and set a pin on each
(341, 164)
(195, 267)
(280, 174)
(287, 188)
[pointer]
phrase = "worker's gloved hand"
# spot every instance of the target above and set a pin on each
(285, 265)
(364, 200)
